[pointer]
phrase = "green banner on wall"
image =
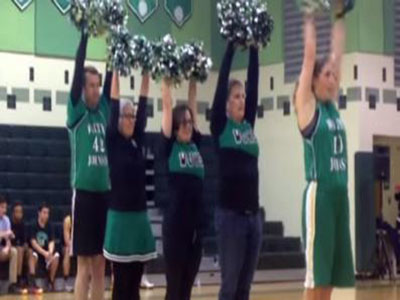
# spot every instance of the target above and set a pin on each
(179, 10)
(63, 5)
(22, 4)
(143, 9)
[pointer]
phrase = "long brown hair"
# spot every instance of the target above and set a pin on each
(178, 115)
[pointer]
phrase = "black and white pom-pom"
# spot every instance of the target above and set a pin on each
(314, 6)
(194, 62)
(119, 50)
(95, 17)
(245, 22)
(166, 60)
(115, 13)
(142, 53)
(262, 26)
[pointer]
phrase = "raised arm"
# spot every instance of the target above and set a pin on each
(338, 41)
(218, 114)
(114, 92)
(166, 122)
(252, 86)
(77, 82)
(107, 84)
(141, 114)
(305, 103)
(193, 101)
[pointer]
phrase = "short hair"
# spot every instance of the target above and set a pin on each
(232, 83)
(178, 115)
(3, 199)
(43, 206)
(17, 203)
(91, 70)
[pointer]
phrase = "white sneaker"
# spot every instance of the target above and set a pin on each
(146, 284)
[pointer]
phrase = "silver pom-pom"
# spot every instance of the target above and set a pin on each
(95, 17)
(119, 50)
(194, 62)
(142, 53)
(314, 6)
(166, 60)
(245, 22)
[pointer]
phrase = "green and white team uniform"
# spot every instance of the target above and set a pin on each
(87, 131)
(326, 229)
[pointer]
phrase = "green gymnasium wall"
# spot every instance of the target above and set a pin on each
(42, 30)
(17, 30)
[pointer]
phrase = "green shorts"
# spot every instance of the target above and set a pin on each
(326, 236)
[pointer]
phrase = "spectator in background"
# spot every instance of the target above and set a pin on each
(43, 248)
(19, 242)
(7, 253)
(67, 227)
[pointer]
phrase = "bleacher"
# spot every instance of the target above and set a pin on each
(34, 168)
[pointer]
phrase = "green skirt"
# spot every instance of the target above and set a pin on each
(129, 237)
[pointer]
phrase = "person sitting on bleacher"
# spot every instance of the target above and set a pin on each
(19, 242)
(7, 252)
(42, 240)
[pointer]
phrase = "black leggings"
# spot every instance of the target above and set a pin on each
(182, 262)
(127, 277)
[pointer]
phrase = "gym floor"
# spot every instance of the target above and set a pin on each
(286, 291)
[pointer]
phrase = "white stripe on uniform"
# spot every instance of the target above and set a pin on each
(310, 234)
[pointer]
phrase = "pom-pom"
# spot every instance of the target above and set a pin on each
(314, 6)
(166, 60)
(245, 22)
(95, 17)
(194, 62)
(119, 50)
(142, 54)
(115, 13)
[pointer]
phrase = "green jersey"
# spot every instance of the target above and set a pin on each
(87, 133)
(240, 137)
(325, 152)
(186, 159)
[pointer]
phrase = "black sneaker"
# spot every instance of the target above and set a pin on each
(16, 289)
(34, 289)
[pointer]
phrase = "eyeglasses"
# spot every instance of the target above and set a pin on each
(187, 123)
(129, 116)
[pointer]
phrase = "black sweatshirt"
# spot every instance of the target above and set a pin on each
(184, 216)
(77, 82)
(236, 144)
(127, 162)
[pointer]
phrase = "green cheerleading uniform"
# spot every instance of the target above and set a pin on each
(128, 236)
(87, 132)
(184, 212)
(326, 229)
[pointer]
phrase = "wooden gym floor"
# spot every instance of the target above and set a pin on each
(280, 291)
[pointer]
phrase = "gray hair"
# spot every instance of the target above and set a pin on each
(123, 102)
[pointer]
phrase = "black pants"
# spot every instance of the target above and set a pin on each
(182, 262)
(127, 277)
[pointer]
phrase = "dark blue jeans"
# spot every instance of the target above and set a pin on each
(239, 242)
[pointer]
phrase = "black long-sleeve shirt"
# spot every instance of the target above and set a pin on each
(77, 82)
(127, 161)
(236, 144)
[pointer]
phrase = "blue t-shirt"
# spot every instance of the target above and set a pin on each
(5, 226)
